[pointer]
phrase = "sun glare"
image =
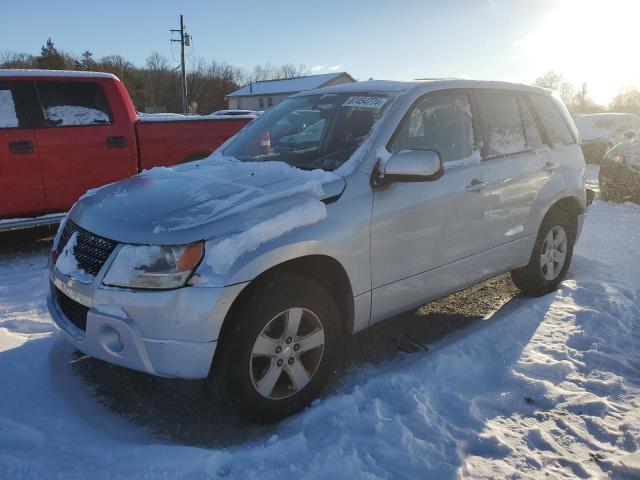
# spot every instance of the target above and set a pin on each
(587, 41)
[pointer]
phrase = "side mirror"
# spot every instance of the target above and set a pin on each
(411, 166)
(629, 135)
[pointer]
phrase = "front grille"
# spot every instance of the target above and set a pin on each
(91, 251)
(74, 311)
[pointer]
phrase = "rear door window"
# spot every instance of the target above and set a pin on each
(503, 126)
(8, 114)
(552, 121)
(438, 122)
(73, 104)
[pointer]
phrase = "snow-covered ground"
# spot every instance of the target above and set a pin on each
(546, 387)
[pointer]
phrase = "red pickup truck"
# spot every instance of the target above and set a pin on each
(64, 132)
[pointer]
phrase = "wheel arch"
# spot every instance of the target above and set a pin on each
(569, 205)
(324, 269)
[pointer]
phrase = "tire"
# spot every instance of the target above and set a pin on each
(540, 277)
(257, 347)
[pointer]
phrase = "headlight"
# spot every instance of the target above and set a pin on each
(154, 266)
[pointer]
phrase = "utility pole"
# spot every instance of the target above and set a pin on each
(87, 59)
(184, 40)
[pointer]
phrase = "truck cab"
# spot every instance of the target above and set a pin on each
(65, 132)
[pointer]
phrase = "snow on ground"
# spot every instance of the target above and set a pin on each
(546, 387)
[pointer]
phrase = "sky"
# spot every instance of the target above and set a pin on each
(589, 41)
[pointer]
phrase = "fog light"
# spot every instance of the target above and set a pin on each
(110, 339)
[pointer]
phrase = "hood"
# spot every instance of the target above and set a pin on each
(199, 200)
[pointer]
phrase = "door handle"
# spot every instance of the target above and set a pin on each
(116, 141)
(21, 147)
(475, 186)
(549, 166)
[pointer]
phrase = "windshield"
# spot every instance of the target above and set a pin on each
(309, 132)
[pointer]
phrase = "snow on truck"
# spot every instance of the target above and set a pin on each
(65, 132)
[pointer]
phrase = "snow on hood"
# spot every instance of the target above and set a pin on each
(606, 126)
(200, 200)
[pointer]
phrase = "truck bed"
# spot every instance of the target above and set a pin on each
(170, 140)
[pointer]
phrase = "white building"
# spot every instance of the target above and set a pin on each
(262, 95)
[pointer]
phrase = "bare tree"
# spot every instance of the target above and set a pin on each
(628, 100)
(17, 60)
(157, 84)
(554, 81)
(551, 80)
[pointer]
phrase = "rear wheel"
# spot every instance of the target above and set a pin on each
(277, 354)
(551, 256)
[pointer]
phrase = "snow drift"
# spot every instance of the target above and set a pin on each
(546, 387)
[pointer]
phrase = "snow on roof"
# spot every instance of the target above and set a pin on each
(424, 85)
(18, 72)
(366, 86)
(287, 85)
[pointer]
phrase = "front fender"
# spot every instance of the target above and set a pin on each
(343, 235)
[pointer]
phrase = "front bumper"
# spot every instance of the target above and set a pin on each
(169, 333)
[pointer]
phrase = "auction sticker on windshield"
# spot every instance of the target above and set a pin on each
(365, 102)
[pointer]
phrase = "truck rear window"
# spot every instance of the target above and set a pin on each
(8, 115)
(73, 104)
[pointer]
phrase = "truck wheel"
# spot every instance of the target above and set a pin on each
(279, 350)
(551, 255)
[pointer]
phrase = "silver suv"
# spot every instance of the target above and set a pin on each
(332, 211)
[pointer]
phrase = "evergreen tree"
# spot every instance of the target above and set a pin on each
(50, 58)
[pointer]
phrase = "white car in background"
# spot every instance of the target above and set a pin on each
(601, 131)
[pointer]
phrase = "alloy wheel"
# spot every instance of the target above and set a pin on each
(287, 353)
(554, 253)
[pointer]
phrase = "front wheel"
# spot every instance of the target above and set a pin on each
(550, 258)
(280, 348)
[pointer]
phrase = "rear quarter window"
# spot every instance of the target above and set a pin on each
(73, 104)
(552, 121)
